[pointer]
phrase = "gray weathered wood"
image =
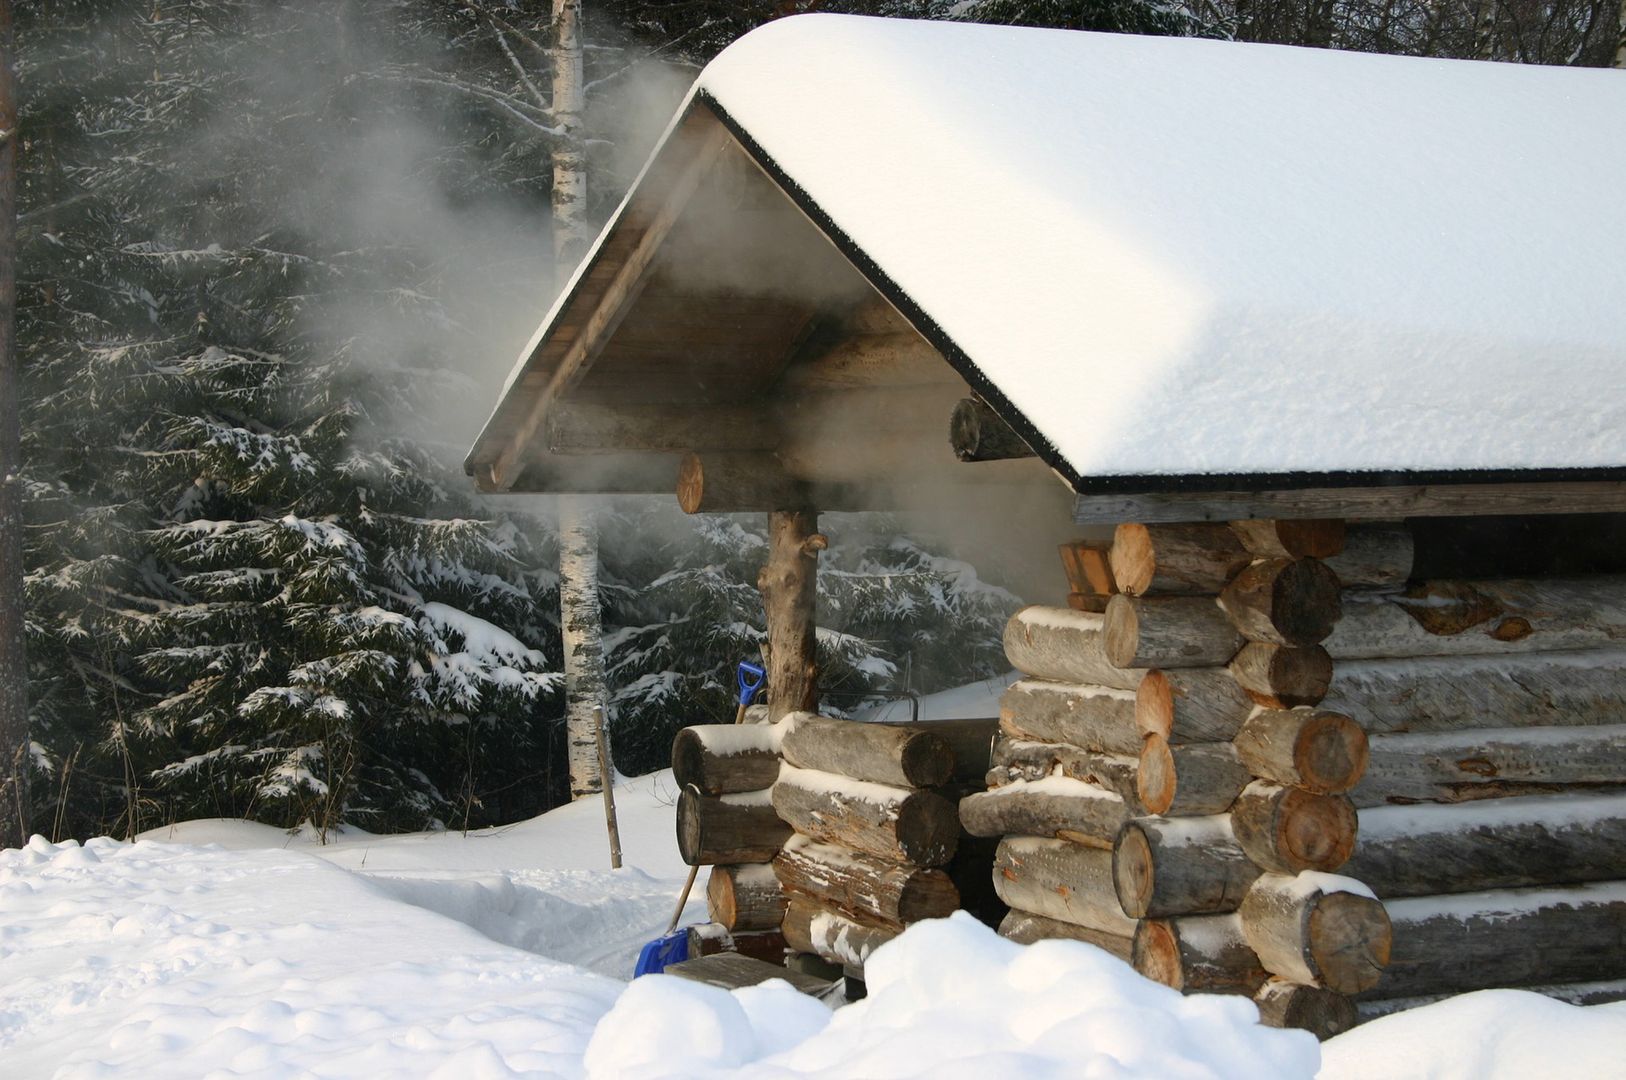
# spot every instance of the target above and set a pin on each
(1189, 559)
(1189, 780)
(1287, 829)
(788, 583)
(745, 897)
(1434, 500)
(1060, 880)
(1189, 866)
(1283, 601)
(720, 759)
(1024, 759)
(1305, 934)
(825, 932)
(900, 824)
(1496, 844)
(1090, 717)
(1480, 618)
(862, 886)
(1024, 928)
(1065, 646)
(1374, 556)
(1168, 632)
(881, 753)
(1191, 705)
(1314, 749)
(1506, 937)
(1323, 1013)
(1478, 763)
(732, 971)
(1289, 539)
(1280, 676)
(741, 828)
(1054, 807)
(1198, 954)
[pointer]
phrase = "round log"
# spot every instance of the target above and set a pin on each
(730, 481)
(1060, 880)
(880, 753)
(1319, 751)
(1323, 1013)
(1453, 766)
(1373, 556)
(721, 759)
(1065, 646)
(811, 928)
(745, 897)
(1182, 559)
(862, 886)
(788, 582)
(1092, 717)
(740, 828)
(1024, 928)
(1191, 779)
(1282, 677)
(1191, 705)
(1197, 954)
(1283, 601)
(1053, 807)
(976, 433)
(1023, 759)
(1495, 844)
(917, 827)
(1168, 632)
(1289, 539)
(1307, 930)
(1186, 866)
(1287, 829)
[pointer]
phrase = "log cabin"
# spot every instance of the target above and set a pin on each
(1315, 363)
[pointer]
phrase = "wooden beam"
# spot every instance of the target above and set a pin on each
(583, 428)
(613, 304)
(869, 360)
(788, 583)
(638, 473)
(976, 433)
(1437, 500)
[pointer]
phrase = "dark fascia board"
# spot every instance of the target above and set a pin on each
(1156, 483)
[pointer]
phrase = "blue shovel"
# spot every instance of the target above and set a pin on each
(673, 946)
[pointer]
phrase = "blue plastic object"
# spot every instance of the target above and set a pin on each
(750, 678)
(661, 953)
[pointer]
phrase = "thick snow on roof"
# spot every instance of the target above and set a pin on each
(1179, 257)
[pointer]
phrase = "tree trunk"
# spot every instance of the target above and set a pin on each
(789, 586)
(1183, 559)
(571, 229)
(1283, 601)
(14, 758)
(1024, 759)
(582, 634)
(1191, 705)
(1374, 556)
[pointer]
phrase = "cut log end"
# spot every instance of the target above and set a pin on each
(1287, 829)
(1154, 705)
(1155, 953)
(1330, 754)
(1133, 871)
(1282, 677)
(1350, 938)
(1284, 601)
(1156, 779)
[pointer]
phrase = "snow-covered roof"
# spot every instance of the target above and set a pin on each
(1171, 258)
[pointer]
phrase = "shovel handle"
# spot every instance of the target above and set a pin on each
(683, 898)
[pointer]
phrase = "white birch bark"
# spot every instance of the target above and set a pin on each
(583, 638)
(570, 225)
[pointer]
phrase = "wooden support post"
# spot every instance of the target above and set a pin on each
(789, 586)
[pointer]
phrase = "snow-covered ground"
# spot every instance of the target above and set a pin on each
(224, 948)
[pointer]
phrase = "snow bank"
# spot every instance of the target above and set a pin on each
(950, 998)
(1491, 1034)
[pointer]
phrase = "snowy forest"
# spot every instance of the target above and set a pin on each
(273, 262)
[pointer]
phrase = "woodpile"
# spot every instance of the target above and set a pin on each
(826, 836)
(1264, 758)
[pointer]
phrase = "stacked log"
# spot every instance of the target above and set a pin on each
(873, 836)
(1167, 786)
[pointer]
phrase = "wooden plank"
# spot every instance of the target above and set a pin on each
(1435, 500)
(731, 971)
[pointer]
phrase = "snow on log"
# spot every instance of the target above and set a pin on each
(1446, 693)
(898, 824)
(862, 886)
(1092, 717)
(1197, 954)
(1024, 759)
(1185, 866)
(1280, 676)
(1283, 601)
(1460, 618)
(810, 928)
(1287, 539)
(1493, 844)
(1373, 556)
(1506, 937)
(1065, 646)
(1189, 780)
(1056, 806)
(1318, 929)
(1320, 751)
(1181, 559)
(745, 897)
(1454, 766)
(1323, 1013)
(721, 759)
(1168, 632)
(1025, 927)
(1602, 992)
(1060, 880)
(880, 753)
(1287, 829)
(740, 828)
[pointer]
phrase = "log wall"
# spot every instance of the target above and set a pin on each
(1316, 779)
